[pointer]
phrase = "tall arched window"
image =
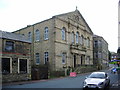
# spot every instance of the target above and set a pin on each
(63, 33)
(46, 57)
(77, 37)
(46, 33)
(30, 36)
(73, 37)
(37, 58)
(63, 58)
(85, 42)
(88, 42)
(37, 35)
(82, 40)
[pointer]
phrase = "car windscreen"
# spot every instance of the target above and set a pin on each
(97, 75)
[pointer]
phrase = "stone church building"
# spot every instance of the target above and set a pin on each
(62, 41)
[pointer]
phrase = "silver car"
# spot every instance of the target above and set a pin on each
(96, 80)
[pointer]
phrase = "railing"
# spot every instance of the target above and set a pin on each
(84, 68)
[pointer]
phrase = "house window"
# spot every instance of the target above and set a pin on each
(73, 37)
(46, 33)
(46, 58)
(37, 35)
(30, 36)
(9, 46)
(63, 33)
(5, 65)
(37, 58)
(63, 58)
(77, 37)
(23, 65)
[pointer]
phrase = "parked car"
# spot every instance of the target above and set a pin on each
(97, 80)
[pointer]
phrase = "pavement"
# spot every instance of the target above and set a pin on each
(34, 81)
(28, 82)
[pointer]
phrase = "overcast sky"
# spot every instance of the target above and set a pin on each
(101, 15)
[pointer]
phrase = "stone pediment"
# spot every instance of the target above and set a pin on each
(75, 18)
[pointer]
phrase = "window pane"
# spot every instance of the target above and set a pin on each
(46, 58)
(95, 43)
(46, 33)
(37, 33)
(37, 58)
(30, 36)
(82, 40)
(63, 33)
(72, 37)
(63, 58)
(77, 36)
(88, 42)
(5, 65)
(23, 65)
(9, 46)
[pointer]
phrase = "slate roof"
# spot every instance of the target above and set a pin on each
(13, 36)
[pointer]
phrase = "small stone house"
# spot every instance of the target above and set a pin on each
(14, 57)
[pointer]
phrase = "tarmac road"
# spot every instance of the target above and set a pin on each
(63, 83)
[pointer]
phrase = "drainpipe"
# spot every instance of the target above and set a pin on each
(33, 43)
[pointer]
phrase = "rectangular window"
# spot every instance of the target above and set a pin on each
(46, 58)
(99, 55)
(9, 46)
(96, 55)
(5, 65)
(63, 58)
(99, 43)
(37, 58)
(96, 44)
(23, 65)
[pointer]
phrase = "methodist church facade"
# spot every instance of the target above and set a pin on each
(62, 41)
